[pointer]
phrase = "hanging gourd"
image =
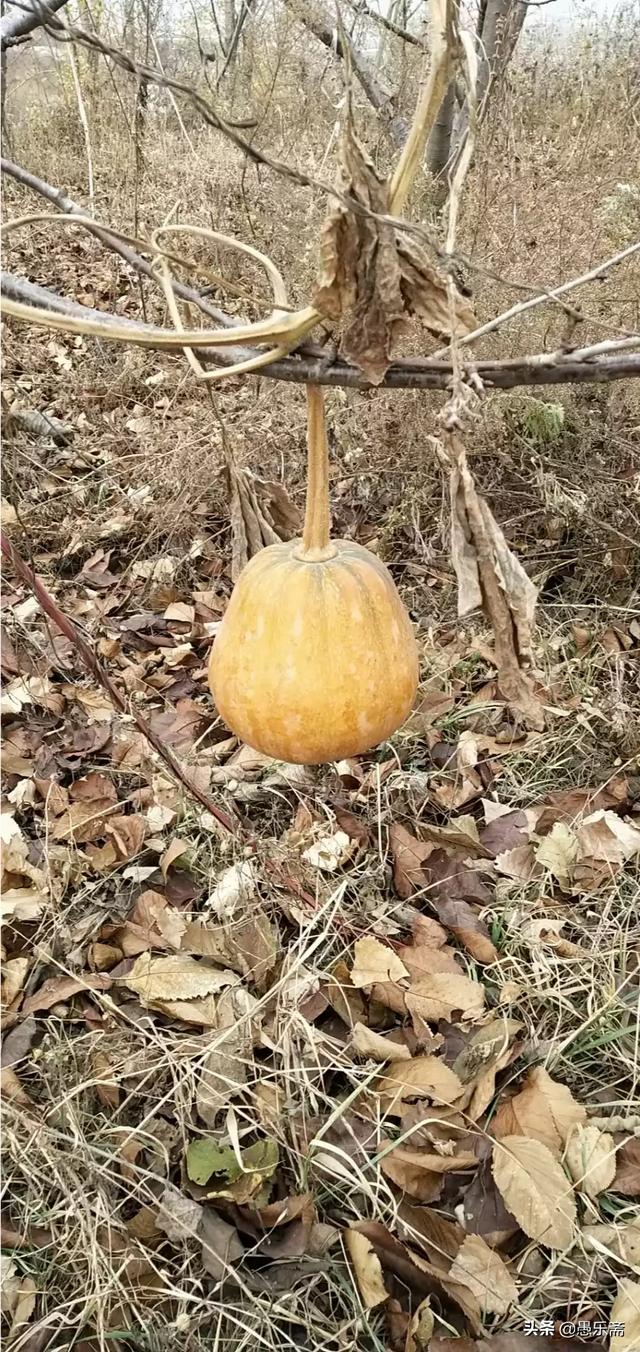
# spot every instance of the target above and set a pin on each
(315, 658)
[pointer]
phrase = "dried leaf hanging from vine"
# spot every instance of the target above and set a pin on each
(490, 575)
(372, 278)
(262, 513)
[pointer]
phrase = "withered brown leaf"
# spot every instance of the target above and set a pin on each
(261, 514)
(372, 278)
(490, 575)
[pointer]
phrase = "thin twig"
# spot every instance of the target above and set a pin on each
(360, 8)
(82, 113)
(174, 103)
(95, 668)
(552, 294)
(17, 26)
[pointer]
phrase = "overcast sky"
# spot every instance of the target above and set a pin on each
(576, 9)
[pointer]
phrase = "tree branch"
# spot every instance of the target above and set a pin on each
(16, 27)
(317, 21)
(245, 9)
(361, 8)
(543, 368)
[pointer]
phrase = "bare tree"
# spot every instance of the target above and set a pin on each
(246, 7)
(319, 21)
(498, 29)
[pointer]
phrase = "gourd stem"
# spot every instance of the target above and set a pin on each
(316, 543)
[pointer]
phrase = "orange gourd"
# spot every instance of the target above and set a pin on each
(315, 658)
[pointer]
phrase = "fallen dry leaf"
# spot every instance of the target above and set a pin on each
(418, 1275)
(608, 838)
(127, 833)
(13, 1090)
(558, 852)
(419, 1172)
(423, 959)
(174, 851)
(235, 887)
(24, 1307)
(590, 1157)
(626, 1311)
(221, 1244)
(457, 1345)
(420, 1328)
(453, 888)
(16, 1044)
(348, 1003)
(409, 855)
(367, 1042)
(10, 1285)
(519, 863)
(330, 852)
(178, 1216)
(460, 834)
(487, 1051)
(170, 984)
(25, 887)
(14, 972)
(620, 1241)
(451, 790)
(224, 1067)
(57, 990)
(484, 1210)
(179, 726)
(543, 1109)
(426, 1229)
(627, 1178)
(486, 1275)
(536, 1190)
(375, 962)
(506, 828)
(421, 1077)
(435, 995)
(569, 805)
(104, 1080)
(367, 1269)
(84, 821)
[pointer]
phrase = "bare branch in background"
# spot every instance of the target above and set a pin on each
(246, 7)
(318, 21)
(391, 27)
(498, 29)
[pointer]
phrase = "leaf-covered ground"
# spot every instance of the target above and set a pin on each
(360, 1072)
